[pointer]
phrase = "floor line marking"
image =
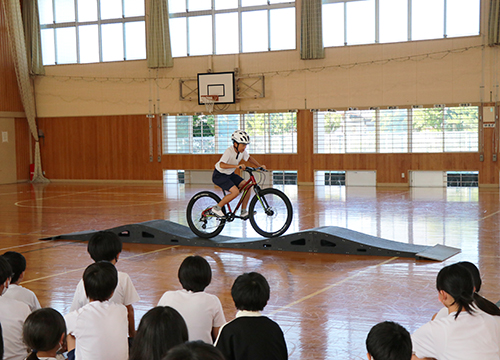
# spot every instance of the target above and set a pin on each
(330, 287)
(18, 246)
(488, 216)
(83, 268)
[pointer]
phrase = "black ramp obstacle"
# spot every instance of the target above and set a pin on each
(326, 239)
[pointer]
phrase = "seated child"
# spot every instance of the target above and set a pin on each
(469, 331)
(107, 246)
(98, 330)
(12, 316)
(44, 332)
(161, 329)
(251, 336)
(388, 341)
(18, 263)
(202, 311)
(478, 299)
(194, 350)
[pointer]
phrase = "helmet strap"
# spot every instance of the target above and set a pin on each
(235, 145)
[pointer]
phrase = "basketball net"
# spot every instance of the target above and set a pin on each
(209, 101)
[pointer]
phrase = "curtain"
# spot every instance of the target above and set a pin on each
(494, 23)
(31, 21)
(15, 34)
(311, 33)
(159, 53)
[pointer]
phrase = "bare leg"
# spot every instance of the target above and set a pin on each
(233, 193)
(246, 198)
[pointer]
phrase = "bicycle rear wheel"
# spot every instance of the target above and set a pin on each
(200, 220)
(270, 212)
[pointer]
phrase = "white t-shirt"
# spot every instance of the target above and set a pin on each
(468, 337)
(125, 293)
(12, 316)
(24, 295)
(229, 157)
(200, 310)
(101, 331)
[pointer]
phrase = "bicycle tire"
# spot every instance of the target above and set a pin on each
(274, 220)
(205, 226)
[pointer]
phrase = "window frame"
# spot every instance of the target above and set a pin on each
(99, 22)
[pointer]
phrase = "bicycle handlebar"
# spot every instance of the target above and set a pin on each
(250, 169)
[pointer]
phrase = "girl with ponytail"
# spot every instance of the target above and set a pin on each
(470, 330)
(481, 302)
(44, 333)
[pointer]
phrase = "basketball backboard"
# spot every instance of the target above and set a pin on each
(219, 84)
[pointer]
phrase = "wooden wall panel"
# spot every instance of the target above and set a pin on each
(23, 138)
(117, 147)
(9, 92)
(104, 148)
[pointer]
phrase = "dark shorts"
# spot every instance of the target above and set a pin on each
(224, 181)
(71, 355)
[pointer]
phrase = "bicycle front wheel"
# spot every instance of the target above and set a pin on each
(200, 220)
(270, 212)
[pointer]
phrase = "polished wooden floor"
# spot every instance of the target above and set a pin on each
(325, 304)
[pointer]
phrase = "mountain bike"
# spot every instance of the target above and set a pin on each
(270, 211)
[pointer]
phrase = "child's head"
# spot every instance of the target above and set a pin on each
(44, 330)
(100, 280)
(194, 350)
(250, 291)
(388, 341)
(195, 273)
(5, 271)
(104, 246)
(161, 329)
(17, 263)
(456, 281)
(474, 271)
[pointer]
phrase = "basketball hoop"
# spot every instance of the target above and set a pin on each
(209, 101)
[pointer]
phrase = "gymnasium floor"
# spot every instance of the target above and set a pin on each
(325, 304)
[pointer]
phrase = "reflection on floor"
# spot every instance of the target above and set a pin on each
(325, 303)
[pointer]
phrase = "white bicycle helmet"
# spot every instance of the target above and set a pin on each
(241, 137)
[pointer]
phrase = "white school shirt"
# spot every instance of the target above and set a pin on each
(201, 312)
(125, 293)
(229, 157)
(24, 295)
(101, 331)
(468, 337)
(12, 316)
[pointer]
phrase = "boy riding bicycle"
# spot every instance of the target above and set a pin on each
(224, 175)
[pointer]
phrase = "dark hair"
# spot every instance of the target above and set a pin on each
(104, 246)
(194, 350)
(17, 263)
(161, 328)
(42, 330)
(195, 273)
(5, 270)
(456, 280)
(100, 280)
(250, 291)
(484, 304)
(389, 341)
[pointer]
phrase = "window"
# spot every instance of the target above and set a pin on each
(229, 28)
(424, 130)
(202, 134)
(87, 31)
(284, 177)
(462, 179)
(350, 22)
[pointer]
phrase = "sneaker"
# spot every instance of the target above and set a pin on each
(217, 211)
(244, 214)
